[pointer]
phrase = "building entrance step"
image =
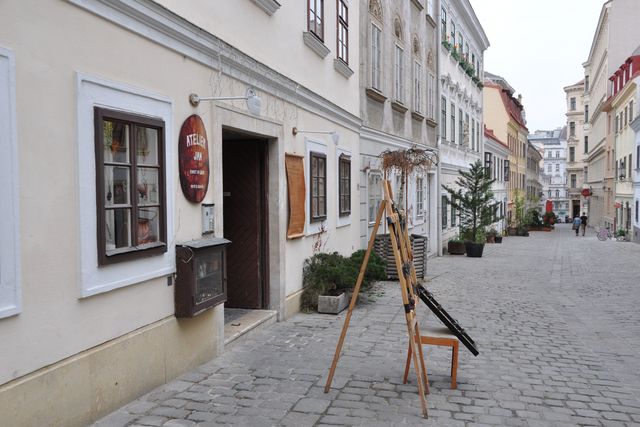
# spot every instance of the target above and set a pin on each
(239, 322)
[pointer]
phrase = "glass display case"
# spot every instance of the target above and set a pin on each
(201, 281)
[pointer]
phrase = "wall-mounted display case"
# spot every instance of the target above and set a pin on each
(201, 281)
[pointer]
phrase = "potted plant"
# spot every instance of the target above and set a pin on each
(473, 199)
(491, 235)
(548, 220)
(328, 279)
(455, 246)
(498, 237)
(621, 234)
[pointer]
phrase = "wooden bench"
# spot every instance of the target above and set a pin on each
(438, 336)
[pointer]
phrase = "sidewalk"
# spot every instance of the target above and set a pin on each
(555, 318)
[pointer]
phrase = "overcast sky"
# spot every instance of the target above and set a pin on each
(539, 46)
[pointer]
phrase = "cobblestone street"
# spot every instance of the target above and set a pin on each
(555, 317)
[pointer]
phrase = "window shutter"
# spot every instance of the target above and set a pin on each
(296, 190)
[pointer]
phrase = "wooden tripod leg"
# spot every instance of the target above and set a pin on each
(354, 297)
(407, 366)
(425, 377)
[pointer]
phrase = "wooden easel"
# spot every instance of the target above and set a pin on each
(403, 255)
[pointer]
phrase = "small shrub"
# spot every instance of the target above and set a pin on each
(332, 274)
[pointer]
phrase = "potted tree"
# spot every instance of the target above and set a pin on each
(474, 201)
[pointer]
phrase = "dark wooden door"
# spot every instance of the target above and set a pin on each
(244, 170)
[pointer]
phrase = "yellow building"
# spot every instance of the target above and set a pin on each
(505, 115)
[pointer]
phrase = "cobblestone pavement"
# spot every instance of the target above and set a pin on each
(555, 317)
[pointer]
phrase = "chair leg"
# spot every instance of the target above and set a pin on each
(454, 366)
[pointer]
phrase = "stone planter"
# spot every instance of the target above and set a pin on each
(333, 304)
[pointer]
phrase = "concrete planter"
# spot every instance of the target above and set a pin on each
(333, 304)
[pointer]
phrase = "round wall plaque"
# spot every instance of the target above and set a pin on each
(193, 156)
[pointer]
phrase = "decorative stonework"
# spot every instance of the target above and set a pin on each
(375, 8)
(269, 6)
(399, 107)
(430, 59)
(416, 46)
(397, 28)
(315, 44)
(342, 68)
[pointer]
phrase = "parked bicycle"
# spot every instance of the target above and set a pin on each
(604, 234)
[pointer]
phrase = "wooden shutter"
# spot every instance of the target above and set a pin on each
(296, 191)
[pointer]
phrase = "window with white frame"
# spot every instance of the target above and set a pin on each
(431, 99)
(10, 289)
(445, 204)
(317, 186)
(417, 87)
(443, 118)
(443, 23)
(140, 205)
(399, 75)
(344, 185)
(461, 127)
(453, 122)
(374, 190)
(376, 56)
(419, 197)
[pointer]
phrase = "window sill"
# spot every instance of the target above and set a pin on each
(375, 94)
(399, 107)
(431, 21)
(342, 68)
(432, 122)
(315, 44)
(418, 4)
(417, 116)
(268, 6)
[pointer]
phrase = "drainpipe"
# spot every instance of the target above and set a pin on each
(438, 138)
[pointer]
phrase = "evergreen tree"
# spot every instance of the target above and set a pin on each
(474, 201)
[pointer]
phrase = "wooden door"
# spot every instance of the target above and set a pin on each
(244, 172)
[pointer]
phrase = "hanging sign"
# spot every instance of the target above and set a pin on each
(586, 192)
(193, 156)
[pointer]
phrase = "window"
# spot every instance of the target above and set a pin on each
(506, 170)
(453, 34)
(586, 83)
(572, 104)
(557, 168)
(443, 24)
(549, 194)
(318, 186)
(417, 87)
(315, 17)
(626, 111)
(130, 192)
(586, 113)
(431, 99)
(453, 122)
(460, 127)
(630, 175)
(572, 154)
(460, 42)
(344, 185)
(399, 75)
(473, 133)
(10, 265)
(630, 111)
(637, 211)
(419, 197)
(445, 202)
(549, 168)
(557, 154)
(638, 157)
(573, 180)
(586, 144)
(557, 194)
(549, 154)
(376, 56)
(487, 162)
(443, 118)
(343, 31)
(453, 216)
(572, 129)
(430, 10)
(374, 188)
(617, 122)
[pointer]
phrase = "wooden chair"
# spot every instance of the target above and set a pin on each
(440, 336)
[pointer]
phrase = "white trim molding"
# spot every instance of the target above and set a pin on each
(97, 92)
(269, 6)
(10, 270)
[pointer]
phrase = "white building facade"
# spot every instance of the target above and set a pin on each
(461, 135)
(398, 106)
(94, 308)
(496, 156)
(577, 148)
(554, 170)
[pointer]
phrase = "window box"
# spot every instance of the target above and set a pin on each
(201, 280)
(342, 68)
(375, 94)
(312, 41)
(269, 6)
(455, 54)
(399, 107)
(446, 45)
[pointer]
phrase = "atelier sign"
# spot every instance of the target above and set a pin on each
(193, 156)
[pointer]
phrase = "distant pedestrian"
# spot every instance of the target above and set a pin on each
(583, 220)
(576, 224)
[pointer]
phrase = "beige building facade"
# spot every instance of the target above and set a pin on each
(88, 296)
(577, 148)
